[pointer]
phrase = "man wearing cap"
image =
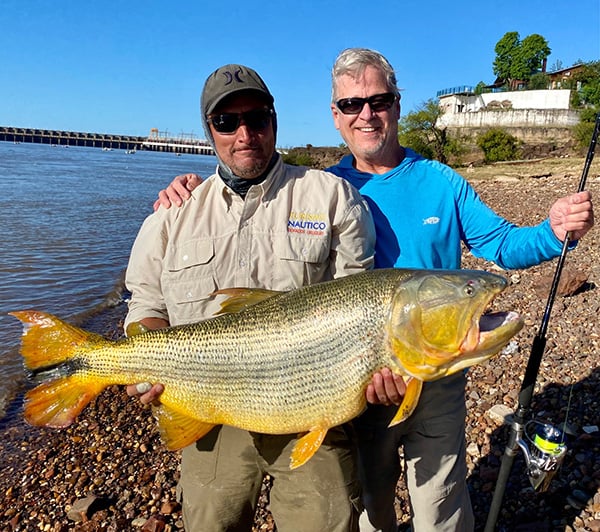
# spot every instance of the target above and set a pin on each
(246, 227)
(424, 214)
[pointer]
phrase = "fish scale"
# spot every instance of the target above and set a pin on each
(285, 363)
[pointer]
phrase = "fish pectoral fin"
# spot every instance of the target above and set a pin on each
(240, 298)
(306, 446)
(178, 430)
(57, 403)
(409, 402)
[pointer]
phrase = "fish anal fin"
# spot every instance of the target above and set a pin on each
(179, 430)
(409, 402)
(57, 403)
(306, 446)
(240, 298)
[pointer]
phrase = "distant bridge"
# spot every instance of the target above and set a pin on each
(154, 142)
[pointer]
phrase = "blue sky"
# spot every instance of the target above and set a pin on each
(128, 66)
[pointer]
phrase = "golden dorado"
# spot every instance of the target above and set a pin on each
(277, 363)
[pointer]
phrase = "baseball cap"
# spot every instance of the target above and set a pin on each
(228, 80)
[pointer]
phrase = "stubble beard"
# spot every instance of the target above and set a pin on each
(370, 150)
(249, 171)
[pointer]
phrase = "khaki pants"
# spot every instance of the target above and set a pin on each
(221, 477)
(435, 461)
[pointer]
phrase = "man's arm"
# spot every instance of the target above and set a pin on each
(385, 388)
(146, 307)
(490, 236)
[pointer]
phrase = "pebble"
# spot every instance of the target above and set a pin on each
(113, 451)
(500, 414)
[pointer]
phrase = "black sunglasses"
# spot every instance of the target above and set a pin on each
(377, 103)
(256, 120)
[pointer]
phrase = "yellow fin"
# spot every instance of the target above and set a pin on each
(50, 348)
(306, 446)
(240, 298)
(57, 403)
(48, 341)
(409, 402)
(179, 430)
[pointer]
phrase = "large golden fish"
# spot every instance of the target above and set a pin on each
(277, 363)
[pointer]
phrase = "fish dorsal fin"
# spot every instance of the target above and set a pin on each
(409, 402)
(306, 446)
(179, 430)
(240, 298)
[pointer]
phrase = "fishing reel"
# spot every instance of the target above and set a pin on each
(543, 454)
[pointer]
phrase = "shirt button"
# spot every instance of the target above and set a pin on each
(242, 263)
(304, 252)
(189, 295)
(185, 257)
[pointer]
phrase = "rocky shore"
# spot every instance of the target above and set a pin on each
(109, 471)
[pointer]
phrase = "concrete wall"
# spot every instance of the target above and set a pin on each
(511, 118)
(540, 99)
(539, 108)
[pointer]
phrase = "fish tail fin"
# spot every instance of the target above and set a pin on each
(57, 403)
(48, 341)
(49, 348)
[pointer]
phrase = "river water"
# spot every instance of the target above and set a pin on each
(68, 218)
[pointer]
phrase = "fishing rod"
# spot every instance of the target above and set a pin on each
(547, 449)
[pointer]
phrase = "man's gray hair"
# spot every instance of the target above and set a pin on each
(353, 61)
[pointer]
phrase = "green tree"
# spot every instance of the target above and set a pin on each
(539, 81)
(506, 50)
(418, 130)
(586, 96)
(534, 50)
(498, 145)
(589, 82)
(519, 60)
(480, 88)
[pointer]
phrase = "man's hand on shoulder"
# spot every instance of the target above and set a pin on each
(178, 191)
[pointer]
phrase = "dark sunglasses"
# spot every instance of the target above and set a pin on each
(377, 103)
(256, 120)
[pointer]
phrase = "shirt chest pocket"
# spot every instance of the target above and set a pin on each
(301, 260)
(189, 272)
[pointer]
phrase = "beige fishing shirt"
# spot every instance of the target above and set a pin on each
(298, 227)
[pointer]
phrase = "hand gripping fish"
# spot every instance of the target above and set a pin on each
(277, 363)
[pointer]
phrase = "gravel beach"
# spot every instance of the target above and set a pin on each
(109, 470)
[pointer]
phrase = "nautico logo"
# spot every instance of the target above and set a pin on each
(307, 223)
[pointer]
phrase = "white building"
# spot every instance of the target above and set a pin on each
(535, 108)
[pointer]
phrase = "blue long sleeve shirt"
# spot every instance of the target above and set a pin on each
(423, 210)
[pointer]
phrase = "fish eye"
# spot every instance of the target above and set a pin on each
(469, 289)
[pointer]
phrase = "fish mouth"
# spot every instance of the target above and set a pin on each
(487, 337)
(493, 331)
(496, 329)
(494, 320)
